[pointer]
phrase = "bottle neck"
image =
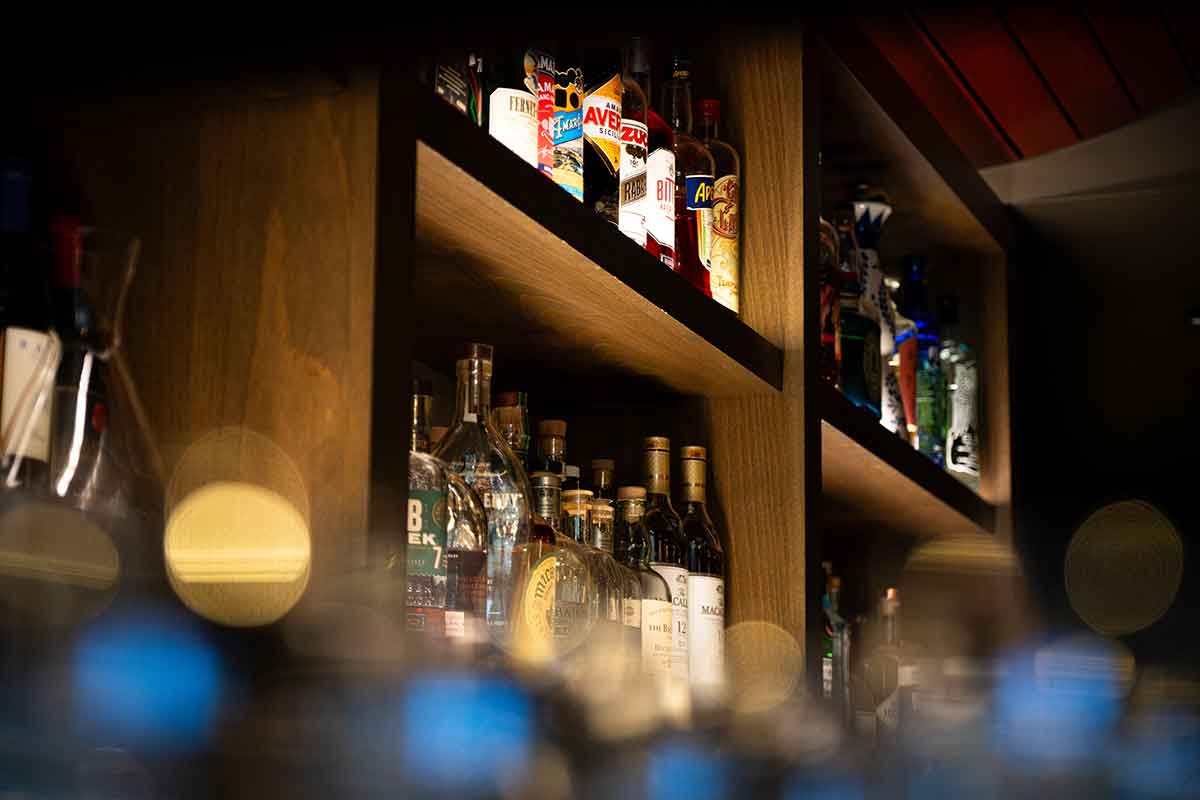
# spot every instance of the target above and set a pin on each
(421, 405)
(473, 400)
(657, 475)
(692, 481)
(708, 128)
(677, 102)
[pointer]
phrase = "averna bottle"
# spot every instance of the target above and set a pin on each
(693, 181)
(602, 132)
(705, 583)
(726, 214)
(657, 614)
(660, 165)
(474, 450)
(668, 557)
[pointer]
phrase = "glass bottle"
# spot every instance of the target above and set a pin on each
(962, 430)
(577, 515)
(603, 534)
(891, 674)
(571, 477)
(635, 137)
(858, 332)
(602, 131)
(705, 582)
(693, 181)
(512, 102)
(474, 450)
(606, 578)
(904, 368)
(657, 613)
(446, 554)
(568, 121)
(552, 446)
(830, 324)
(602, 478)
(871, 210)
(725, 274)
(660, 164)
(510, 415)
(835, 654)
(668, 557)
(915, 306)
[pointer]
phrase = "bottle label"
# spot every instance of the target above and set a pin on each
(427, 516)
(658, 642)
(699, 190)
(512, 120)
(706, 631)
(677, 580)
(602, 122)
(539, 80)
(466, 595)
(537, 624)
(827, 677)
(631, 217)
(568, 131)
(887, 713)
(450, 84)
(660, 205)
(723, 252)
(23, 353)
(962, 444)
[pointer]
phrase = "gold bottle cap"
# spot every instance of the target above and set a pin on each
(631, 493)
(657, 443)
(552, 427)
(693, 453)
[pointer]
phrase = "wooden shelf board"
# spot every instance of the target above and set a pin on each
(506, 257)
(870, 478)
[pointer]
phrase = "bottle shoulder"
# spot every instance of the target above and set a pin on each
(691, 155)
(725, 158)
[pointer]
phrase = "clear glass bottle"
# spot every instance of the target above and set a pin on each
(657, 612)
(693, 181)
(705, 582)
(668, 557)
(446, 555)
(475, 451)
(603, 534)
(602, 478)
(725, 274)
(606, 595)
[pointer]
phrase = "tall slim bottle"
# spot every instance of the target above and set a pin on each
(726, 214)
(474, 450)
(693, 181)
(657, 611)
(660, 165)
(705, 583)
(635, 138)
(668, 557)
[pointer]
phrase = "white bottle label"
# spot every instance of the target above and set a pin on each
(512, 120)
(962, 443)
(23, 351)
(660, 205)
(706, 632)
(631, 217)
(677, 581)
(658, 641)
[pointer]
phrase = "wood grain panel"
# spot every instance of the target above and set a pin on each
(253, 301)
(758, 440)
(1142, 53)
(998, 72)
(1062, 47)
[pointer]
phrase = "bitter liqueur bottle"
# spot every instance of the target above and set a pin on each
(693, 181)
(705, 583)
(633, 548)
(726, 214)
(602, 133)
(512, 104)
(660, 165)
(475, 451)
(631, 212)
(568, 122)
(668, 557)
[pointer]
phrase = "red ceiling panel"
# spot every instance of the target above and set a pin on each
(1072, 63)
(994, 67)
(1138, 44)
(924, 69)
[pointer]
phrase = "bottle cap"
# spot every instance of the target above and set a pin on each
(552, 427)
(631, 493)
(422, 386)
(571, 471)
(657, 443)
(693, 453)
(604, 463)
(710, 109)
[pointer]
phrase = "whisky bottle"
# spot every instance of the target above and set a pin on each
(705, 583)
(512, 102)
(602, 132)
(657, 640)
(726, 213)
(606, 578)
(668, 557)
(693, 181)
(632, 200)
(660, 165)
(568, 122)
(835, 654)
(474, 450)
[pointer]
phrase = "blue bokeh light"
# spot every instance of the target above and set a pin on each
(681, 770)
(146, 680)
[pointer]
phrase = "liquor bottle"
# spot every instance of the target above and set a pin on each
(871, 210)
(835, 655)
(568, 122)
(25, 318)
(928, 362)
(660, 165)
(447, 540)
(602, 132)
(603, 534)
(540, 77)
(607, 600)
(512, 105)
(891, 674)
(962, 434)
(474, 450)
(436, 434)
(693, 181)
(668, 557)
(577, 515)
(827, 636)
(726, 213)
(552, 446)
(458, 79)
(831, 346)
(510, 415)
(904, 367)
(602, 478)
(657, 611)
(858, 333)
(705, 583)
(632, 200)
